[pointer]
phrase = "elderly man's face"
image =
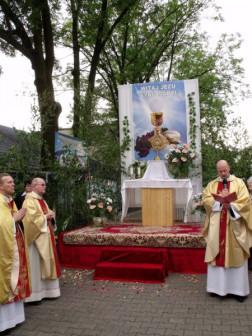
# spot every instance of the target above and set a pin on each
(223, 170)
(39, 187)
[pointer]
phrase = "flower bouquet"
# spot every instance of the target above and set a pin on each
(180, 159)
(101, 208)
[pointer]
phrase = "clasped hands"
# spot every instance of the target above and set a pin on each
(50, 215)
(19, 215)
(225, 192)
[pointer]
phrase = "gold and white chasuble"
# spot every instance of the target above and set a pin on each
(238, 231)
(39, 231)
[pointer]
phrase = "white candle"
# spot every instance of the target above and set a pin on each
(138, 172)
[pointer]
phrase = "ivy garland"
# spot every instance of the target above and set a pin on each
(125, 145)
(193, 124)
(192, 117)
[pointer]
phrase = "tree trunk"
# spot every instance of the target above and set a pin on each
(32, 35)
(49, 114)
(75, 8)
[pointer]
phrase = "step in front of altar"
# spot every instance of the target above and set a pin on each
(149, 265)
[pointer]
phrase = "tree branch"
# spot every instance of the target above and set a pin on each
(20, 30)
(48, 35)
(118, 20)
(14, 43)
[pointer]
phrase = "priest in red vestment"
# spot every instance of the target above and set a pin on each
(38, 228)
(14, 274)
(228, 231)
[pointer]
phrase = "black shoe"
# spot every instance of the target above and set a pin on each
(34, 303)
(5, 332)
(221, 297)
(240, 298)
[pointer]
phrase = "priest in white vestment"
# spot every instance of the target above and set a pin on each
(38, 228)
(14, 275)
(228, 231)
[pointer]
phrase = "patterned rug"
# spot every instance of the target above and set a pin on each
(179, 235)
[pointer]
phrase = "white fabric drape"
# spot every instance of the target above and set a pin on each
(223, 281)
(11, 314)
(40, 288)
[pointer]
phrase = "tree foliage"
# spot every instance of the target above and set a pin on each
(221, 77)
(27, 26)
(118, 42)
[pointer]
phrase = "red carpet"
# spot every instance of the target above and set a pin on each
(182, 245)
(132, 264)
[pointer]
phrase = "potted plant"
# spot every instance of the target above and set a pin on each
(101, 208)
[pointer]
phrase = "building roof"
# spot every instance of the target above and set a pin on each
(8, 138)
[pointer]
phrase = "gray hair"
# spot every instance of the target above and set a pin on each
(249, 180)
(36, 180)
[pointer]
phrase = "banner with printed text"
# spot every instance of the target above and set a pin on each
(166, 100)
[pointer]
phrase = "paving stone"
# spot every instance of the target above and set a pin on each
(179, 307)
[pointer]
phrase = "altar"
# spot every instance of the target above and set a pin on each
(177, 193)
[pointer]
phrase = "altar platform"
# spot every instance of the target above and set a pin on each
(179, 249)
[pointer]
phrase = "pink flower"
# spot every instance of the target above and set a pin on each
(183, 158)
(175, 160)
(100, 205)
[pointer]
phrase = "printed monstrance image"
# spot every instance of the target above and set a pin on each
(159, 115)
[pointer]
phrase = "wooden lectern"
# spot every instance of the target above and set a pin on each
(157, 206)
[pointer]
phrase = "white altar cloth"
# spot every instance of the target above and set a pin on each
(156, 170)
(184, 185)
